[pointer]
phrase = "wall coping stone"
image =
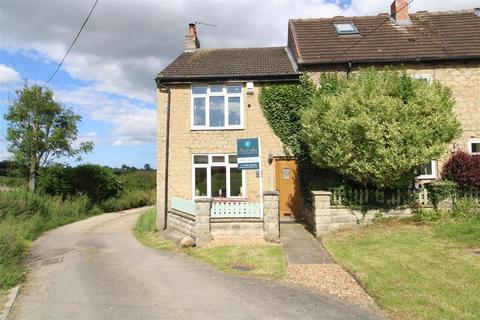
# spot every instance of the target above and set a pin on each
(182, 214)
(321, 193)
(271, 193)
(204, 200)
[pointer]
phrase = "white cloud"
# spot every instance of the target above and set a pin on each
(133, 124)
(125, 43)
(8, 76)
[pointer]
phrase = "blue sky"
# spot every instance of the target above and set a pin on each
(108, 78)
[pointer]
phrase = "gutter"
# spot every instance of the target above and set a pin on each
(167, 147)
(398, 60)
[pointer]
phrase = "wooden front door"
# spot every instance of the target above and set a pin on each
(287, 183)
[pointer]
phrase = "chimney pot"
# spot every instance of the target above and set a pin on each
(399, 12)
(191, 40)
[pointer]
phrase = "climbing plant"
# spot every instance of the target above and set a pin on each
(281, 105)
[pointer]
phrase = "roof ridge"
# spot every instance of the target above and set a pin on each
(244, 48)
(420, 12)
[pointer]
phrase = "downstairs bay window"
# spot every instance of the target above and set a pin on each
(217, 176)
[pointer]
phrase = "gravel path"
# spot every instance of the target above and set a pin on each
(329, 278)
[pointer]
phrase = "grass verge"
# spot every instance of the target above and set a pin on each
(426, 271)
(266, 261)
(23, 217)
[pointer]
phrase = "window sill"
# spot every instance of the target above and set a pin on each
(218, 129)
(426, 178)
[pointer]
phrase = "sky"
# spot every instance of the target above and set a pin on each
(108, 77)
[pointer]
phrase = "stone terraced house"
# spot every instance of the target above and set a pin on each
(208, 98)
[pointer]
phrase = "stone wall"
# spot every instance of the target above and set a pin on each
(324, 218)
(202, 228)
(184, 142)
(236, 227)
(182, 222)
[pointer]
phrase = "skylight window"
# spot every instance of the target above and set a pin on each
(345, 28)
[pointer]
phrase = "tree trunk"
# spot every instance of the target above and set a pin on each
(31, 174)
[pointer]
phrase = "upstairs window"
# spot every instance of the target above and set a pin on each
(345, 28)
(217, 107)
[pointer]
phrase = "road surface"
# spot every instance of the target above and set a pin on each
(96, 269)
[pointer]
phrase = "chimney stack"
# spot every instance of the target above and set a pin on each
(399, 12)
(191, 41)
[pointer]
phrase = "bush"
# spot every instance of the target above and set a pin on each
(55, 180)
(140, 180)
(440, 190)
(97, 182)
(464, 169)
(379, 126)
(466, 208)
(129, 199)
(421, 215)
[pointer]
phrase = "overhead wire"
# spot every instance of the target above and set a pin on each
(71, 46)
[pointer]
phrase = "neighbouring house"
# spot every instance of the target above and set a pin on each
(443, 46)
(207, 99)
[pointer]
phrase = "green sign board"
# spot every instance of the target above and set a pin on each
(248, 154)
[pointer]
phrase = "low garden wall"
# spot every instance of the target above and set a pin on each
(199, 224)
(182, 222)
(324, 217)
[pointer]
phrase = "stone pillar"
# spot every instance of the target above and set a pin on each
(321, 212)
(202, 221)
(271, 226)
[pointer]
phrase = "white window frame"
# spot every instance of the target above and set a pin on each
(354, 29)
(430, 176)
(209, 166)
(427, 77)
(207, 106)
(469, 145)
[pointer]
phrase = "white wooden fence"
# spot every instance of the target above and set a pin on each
(235, 210)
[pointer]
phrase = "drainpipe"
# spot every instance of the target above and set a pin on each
(349, 69)
(167, 145)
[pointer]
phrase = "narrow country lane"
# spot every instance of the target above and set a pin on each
(96, 269)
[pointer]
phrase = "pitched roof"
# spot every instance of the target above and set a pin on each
(430, 36)
(231, 64)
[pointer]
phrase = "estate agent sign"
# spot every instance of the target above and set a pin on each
(248, 154)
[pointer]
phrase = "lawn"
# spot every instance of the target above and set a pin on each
(415, 271)
(266, 261)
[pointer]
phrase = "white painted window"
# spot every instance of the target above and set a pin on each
(473, 146)
(217, 176)
(428, 171)
(217, 107)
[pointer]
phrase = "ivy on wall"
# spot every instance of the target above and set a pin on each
(281, 105)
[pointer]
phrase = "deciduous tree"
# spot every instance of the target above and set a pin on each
(41, 130)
